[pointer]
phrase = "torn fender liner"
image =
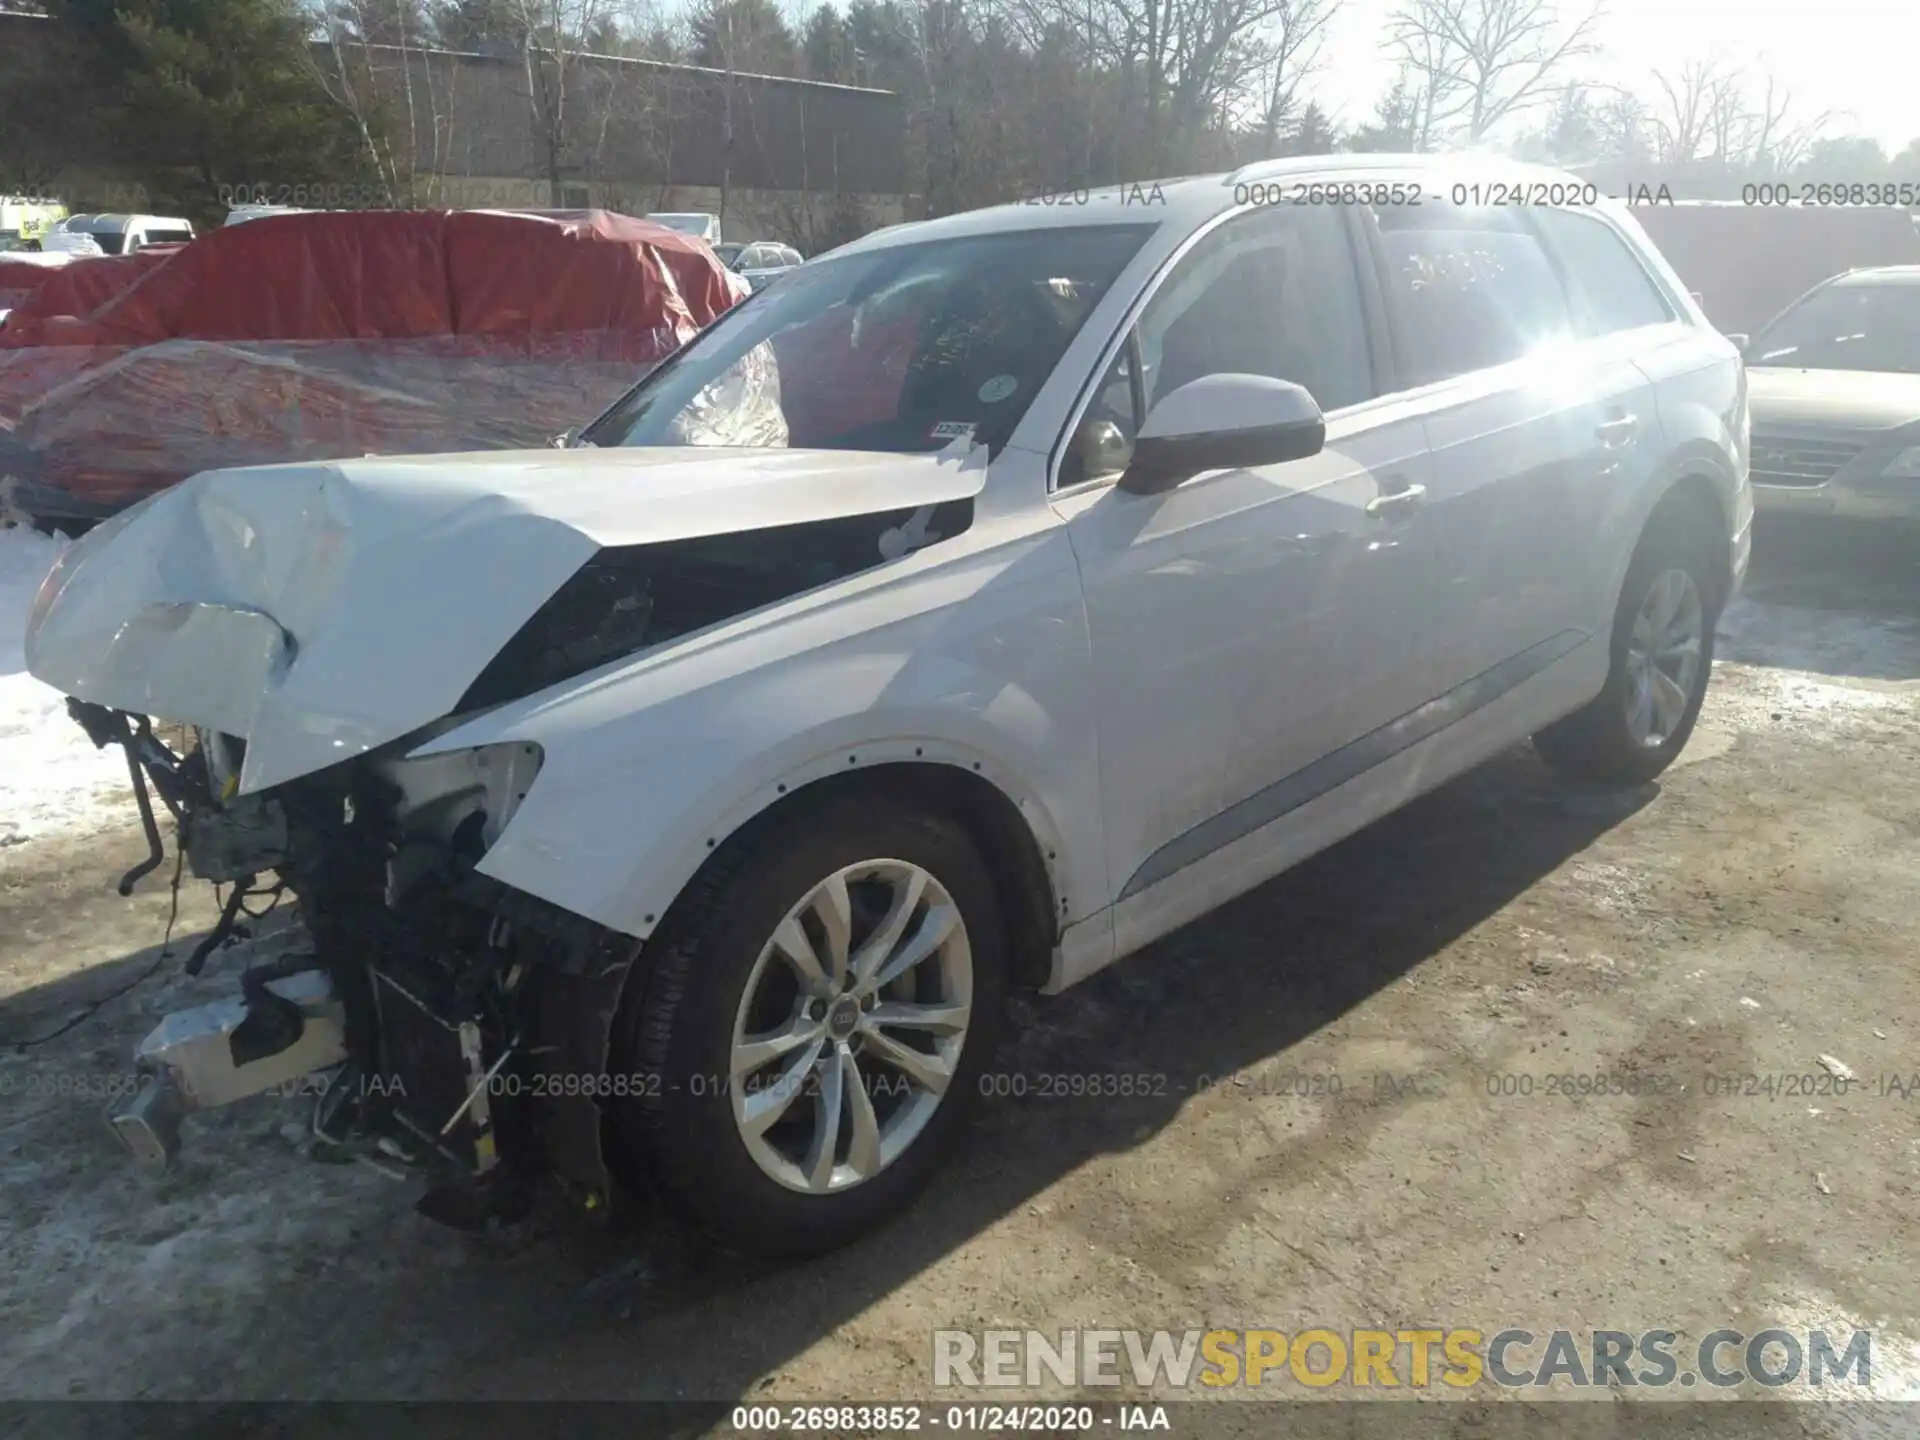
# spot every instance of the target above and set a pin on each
(343, 605)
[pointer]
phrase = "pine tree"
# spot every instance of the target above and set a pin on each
(198, 98)
(826, 47)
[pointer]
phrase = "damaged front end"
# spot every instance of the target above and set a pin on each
(461, 1025)
(315, 629)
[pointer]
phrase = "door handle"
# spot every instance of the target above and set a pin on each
(1396, 501)
(1618, 430)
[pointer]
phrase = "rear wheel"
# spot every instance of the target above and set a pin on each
(811, 1028)
(1662, 658)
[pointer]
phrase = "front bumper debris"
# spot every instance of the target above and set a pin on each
(446, 1020)
(212, 1055)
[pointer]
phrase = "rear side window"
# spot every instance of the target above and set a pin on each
(1469, 288)
(1615, 293)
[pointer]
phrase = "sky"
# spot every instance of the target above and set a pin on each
(1858, 57)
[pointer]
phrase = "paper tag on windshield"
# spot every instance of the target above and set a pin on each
(951, 430)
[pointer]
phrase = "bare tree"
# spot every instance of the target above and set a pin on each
(1477, 63)
(1180, 69)
(376, 59)
(1623, 127)
(618, 111)
(1710, 110)
(1776, 143)
(342, 63)
(1698, 104)
(553, 37)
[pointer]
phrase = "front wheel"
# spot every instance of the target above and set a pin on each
(814, 1023)
(1662, 657)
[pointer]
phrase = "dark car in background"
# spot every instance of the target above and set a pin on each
(1747, 263)
(760, 263)
(1835, 394)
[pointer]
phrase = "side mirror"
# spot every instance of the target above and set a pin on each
(1740, 342)
(564, 440)
(1223, 422)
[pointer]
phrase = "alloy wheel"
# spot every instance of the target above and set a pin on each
(1663, 657)
(850, 1026)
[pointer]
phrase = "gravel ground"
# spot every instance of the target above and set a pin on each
(1756, 910)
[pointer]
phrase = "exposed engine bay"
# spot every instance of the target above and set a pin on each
(462, 1025)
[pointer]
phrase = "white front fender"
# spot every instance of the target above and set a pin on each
(972, 654)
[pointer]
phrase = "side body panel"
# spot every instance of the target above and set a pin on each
(1517, 461)
(1460, 734)
(1700, 391)
(1244, 626)
(1700, 386)
(1530, 644)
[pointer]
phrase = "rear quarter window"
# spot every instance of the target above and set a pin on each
(1612, 288)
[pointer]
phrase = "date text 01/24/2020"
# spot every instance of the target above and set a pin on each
(967, 1418)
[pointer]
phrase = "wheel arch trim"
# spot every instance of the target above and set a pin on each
(1006, 820)
(1691, 478)
(661, 872)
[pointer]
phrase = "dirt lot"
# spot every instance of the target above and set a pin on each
(1758, 909)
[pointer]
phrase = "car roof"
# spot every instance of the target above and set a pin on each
(1881, 275)
(1187, 201)
(113, 223)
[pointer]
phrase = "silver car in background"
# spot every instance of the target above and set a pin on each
(762, 264)
(1836, 399)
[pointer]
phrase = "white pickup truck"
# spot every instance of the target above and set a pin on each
(698, 223)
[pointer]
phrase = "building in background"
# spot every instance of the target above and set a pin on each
(777, 158)
(799, 161)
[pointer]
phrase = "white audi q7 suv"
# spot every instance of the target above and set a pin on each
(678, 808)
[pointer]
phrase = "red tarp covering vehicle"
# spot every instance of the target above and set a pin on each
(21, 275)
(78, 286)
(321, 336)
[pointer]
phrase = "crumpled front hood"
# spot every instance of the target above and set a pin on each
(323, 610)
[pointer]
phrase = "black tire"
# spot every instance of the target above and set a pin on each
(674, 1029)
(1595, 743)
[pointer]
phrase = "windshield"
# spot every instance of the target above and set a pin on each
(728, 254)
(901, 349)
(1846, 327)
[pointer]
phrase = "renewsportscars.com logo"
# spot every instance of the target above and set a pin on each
(1400, 1358)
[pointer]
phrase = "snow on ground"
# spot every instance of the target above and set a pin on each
(51, 777)
(1803, 669)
